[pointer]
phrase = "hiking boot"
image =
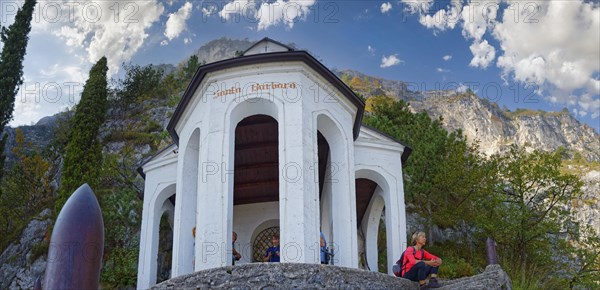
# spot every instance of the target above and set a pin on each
(424, 287)
(433, 283)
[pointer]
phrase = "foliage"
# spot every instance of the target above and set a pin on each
(456, 268)
(121, 209)
(140, 83)
(443, 173)
(84, 151)
(529, 212)
(357, 83)
(15, 39)
(382, 247)
(374, 101)
(38, 250)
(27, 189)
(460, 259)
(584, 269)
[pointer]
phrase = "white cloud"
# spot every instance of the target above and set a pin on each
(478, 17)
(268, 14)
(443, 19)
(187, 40)
(556, 48)
(483, 54)
(288, 12)
(164, 42)
(176, 22)
(243, 7)
(447, 57)
(551, 44)
(209, 10)
(388, 61)
(414, 6)
(95, 29)
(588, 104)
(385, 7)
(441, 70)
(371, 50)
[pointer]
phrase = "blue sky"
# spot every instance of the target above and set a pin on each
(521, 54)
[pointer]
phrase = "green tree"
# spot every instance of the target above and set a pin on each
(584, 270)
(140, 83)
(15, 39)
(83, 156)
(443, 172)
(190, 68)
(122, 209)
(529, 211)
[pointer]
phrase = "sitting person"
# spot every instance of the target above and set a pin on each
(272, 254)
(236, 256)
(324, 251)
(418, 263)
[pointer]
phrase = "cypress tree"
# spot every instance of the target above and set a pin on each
(15, 39)
(83, 156)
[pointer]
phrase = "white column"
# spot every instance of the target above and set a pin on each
(214, 202)
(298, 191)
(397, 192)
(344, 204)
(185, 205)
(147, 262)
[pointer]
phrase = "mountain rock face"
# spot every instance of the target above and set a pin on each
(39, 135)
(222, 48)
(495, 128)
(20, 265)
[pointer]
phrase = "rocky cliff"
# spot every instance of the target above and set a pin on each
(24, 260)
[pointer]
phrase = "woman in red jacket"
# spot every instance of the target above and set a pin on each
(419, 263)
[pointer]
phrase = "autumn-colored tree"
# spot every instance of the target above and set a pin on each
(27, 189)
(356, 83)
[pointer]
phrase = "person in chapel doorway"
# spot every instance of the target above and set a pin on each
(323, 250)
(235, 254)
(272, 254)
(194, 246)
(419, 263)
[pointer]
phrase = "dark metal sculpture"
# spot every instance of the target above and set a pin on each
(77, 243)
(490, 249)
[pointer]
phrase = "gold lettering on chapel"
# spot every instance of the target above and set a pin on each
(254, 88)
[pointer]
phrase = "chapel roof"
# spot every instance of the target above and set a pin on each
(275, 52)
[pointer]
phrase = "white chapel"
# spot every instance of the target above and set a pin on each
(271, 142)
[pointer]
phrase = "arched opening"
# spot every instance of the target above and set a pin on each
(262, 241)
(365, 188)
(256, 182)
(324, 172)
(377, 229)
(336, 192)
(165, 241)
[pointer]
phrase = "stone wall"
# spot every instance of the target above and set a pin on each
(312, 276)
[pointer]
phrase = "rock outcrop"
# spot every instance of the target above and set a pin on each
(313, 276)
(492, 278)
(20, 263)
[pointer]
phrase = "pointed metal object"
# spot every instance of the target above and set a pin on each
(492, 256)
(77, 244)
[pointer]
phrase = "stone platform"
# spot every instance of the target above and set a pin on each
(311, 276)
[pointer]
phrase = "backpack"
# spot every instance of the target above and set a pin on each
(399, 267)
